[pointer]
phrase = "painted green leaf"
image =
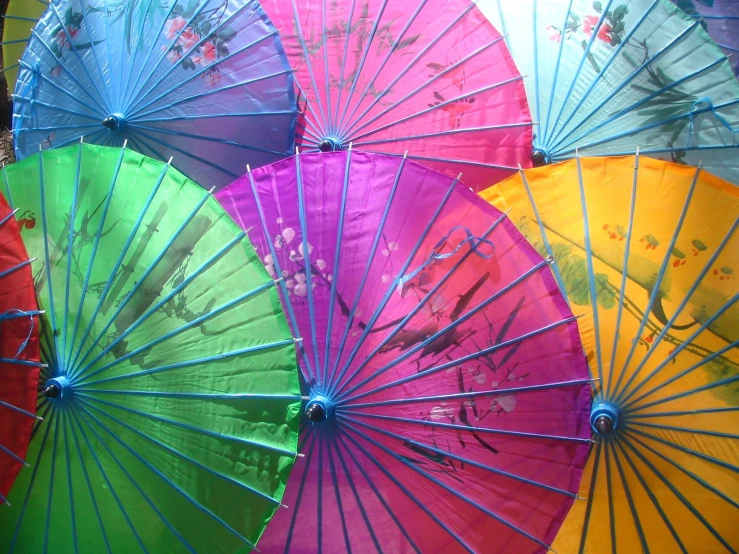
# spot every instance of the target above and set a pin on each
(620, 230)
(727, 270)
(699, 245)
(598, 7)
(678, 254)
(651, 239)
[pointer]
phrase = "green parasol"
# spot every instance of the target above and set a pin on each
(171, 397)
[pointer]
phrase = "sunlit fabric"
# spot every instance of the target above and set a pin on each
(170, 401)
(608, 77)
(647, 252)
(205, 81)
(19, 19)
(447, 388)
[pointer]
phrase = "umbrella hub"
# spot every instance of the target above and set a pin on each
(319, 409)
(330, 144)
(540, 157)
(114, 122)
(58, 388)
(603, 417)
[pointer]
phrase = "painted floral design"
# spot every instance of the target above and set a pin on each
(192, 44)
(64, 38)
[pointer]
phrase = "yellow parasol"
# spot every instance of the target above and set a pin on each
(20, 18)
(648, 252)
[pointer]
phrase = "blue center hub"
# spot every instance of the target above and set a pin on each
(58, 388)
(319, 409)
(603, 417)
(114, 122)
(330, 144)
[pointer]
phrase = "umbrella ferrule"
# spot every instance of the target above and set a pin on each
(330, 144)
(540, 157)
(603, 417)
(57, 388)
(319, 408)
(114, 122)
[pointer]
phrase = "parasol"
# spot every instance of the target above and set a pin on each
(431, 77)
(206, 82)
(19, 351)
(721, 19)
(20, 18)
(171, 394)
(606, 77)
(448, 392)
(648, 249)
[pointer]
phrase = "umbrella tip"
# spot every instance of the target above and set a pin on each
(285, 506)
(297, 151)
(350, 145)
(211, 190)
(8, 504)
(277, 281)
(405, 155)
(248, 168)
(169, 162)
(82, 139)
(125, 143)
(298, 339)
(300, 455)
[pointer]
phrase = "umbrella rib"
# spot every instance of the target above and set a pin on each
(688, 295)
(680, 497)
(34, 473)
(60, 127)
(329, 123)
(357, 138)
(15, 457)
(692, 431)
(212, 116)
(189, 154)
(586, 53)
(376, 491)
(308, 271)
(319, 496)
(169, 526)
(403, 489)
(612, 94)
(655, 291)
(358, 70)
(167, 480)
(591, 270)
(442, 133)
(64, 416)
(350, 416)
(17, 409)
(97, 59)
(89, 484)
(335, 374)
(382, 65)
(627, 403)
(624, 274)
(307, 372)
(407, 68)
(417, 308)
(73, 47)
(194, 395)
(163, 55)
(15, 268)
(683, 412)
(47, 258)
(630, 500)
(18, 361)
(690, 474)
(651, 495)
(450, 161)
(336, 265)
(636, 105)
(591, 496)
(557, 65)
(189, 325)
(111, 278)
(74, 139)
(337, 495)
(183, 456)
(71, 74)
(140, 281)
(611, 507)
(248, 442)
(686, 450)
(188, 363)
(296, 508)
(449, 489)
(93, 254)
(472, 394)
(343, 63)
(449, 328)
(70, 242)
(393, 286)
(135, 109)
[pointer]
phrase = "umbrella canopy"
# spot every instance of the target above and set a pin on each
(206, 82)
(20, 18)
(19, 350)
(607, 77)
(431, 77)
(171, 395)
(721, 19)
(648, 251)
(448, 388)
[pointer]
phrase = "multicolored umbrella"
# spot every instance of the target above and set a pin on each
(19, 350)
(648, 251)
(20, 18)
(607, 77)
(721, 19)
(430, 77)
(205, 81)
(448, 391)
(171, 396)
